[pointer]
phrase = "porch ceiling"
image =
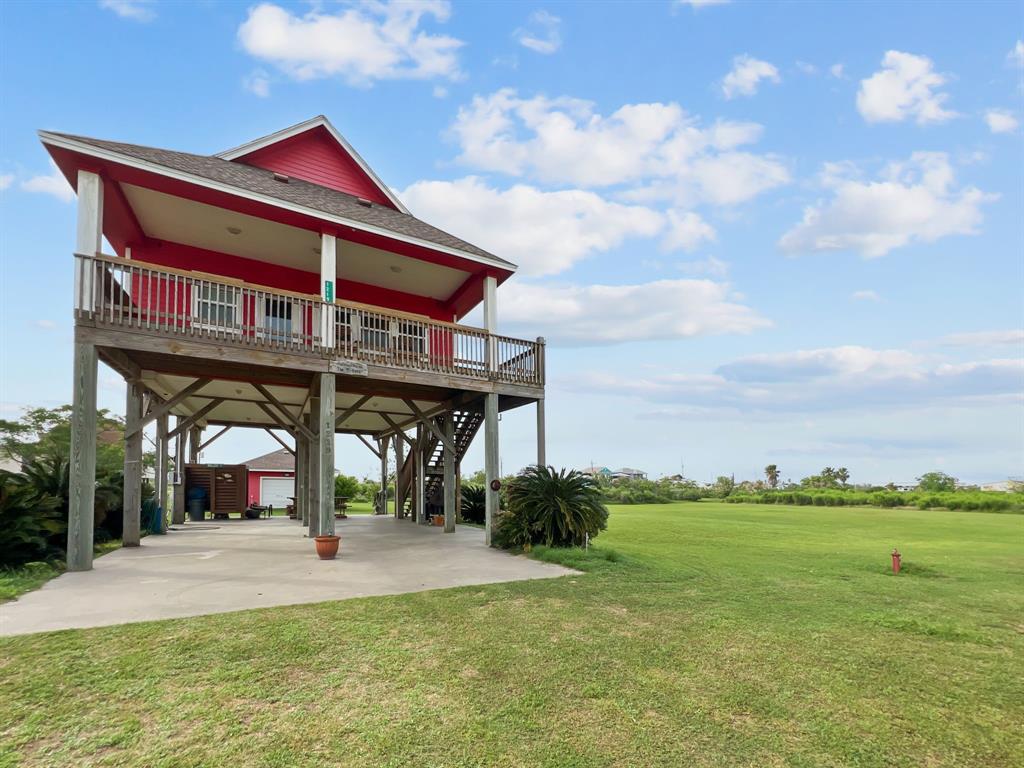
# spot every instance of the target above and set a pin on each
(241, 403)
(179, 220)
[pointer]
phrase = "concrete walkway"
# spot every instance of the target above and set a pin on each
(216, 567)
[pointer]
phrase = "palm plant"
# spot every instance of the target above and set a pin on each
(557, 508)
(474, 503)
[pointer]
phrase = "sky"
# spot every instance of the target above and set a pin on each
(751, 233)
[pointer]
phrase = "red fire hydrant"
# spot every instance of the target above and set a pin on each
(895, 561)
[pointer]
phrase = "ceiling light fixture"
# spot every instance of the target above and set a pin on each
(395, 269)
(235, 230)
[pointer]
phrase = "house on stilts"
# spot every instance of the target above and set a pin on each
(281, 285)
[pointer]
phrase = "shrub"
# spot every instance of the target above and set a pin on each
(557, 509)
(29, 519)
(474, 503)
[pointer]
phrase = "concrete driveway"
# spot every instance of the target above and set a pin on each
(216, 567)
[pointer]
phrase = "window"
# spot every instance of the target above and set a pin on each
(375, 332)
(410, 337)
(276, 319)
(218, 307)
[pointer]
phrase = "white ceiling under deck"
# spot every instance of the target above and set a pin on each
(178, 220)
(241, 404)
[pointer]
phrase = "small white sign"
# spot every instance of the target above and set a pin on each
(349, 368)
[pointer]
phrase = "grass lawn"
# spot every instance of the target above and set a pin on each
(718, 634)
(19, 580)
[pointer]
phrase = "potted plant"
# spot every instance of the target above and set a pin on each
(437, 520)
(327, 546)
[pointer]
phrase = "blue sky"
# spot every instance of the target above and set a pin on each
(751, 232)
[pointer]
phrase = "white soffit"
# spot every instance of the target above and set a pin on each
(178, 220)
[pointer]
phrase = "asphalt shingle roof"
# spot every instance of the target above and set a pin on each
(296, 191)
(279, 460)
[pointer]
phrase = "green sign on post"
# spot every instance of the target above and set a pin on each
(329, 290)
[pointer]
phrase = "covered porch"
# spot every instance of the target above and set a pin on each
(203, 568)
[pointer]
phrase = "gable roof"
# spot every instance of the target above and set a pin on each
(320, 121)
(260, 184)
(275, 461)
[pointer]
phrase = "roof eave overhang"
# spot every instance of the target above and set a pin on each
(52, 140)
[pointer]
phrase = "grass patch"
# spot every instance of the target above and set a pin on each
(700, 635)
(15, 582)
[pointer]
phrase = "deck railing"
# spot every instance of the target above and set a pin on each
(131, 295)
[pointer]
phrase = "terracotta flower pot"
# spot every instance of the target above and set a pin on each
(327, 546)
(438, 520)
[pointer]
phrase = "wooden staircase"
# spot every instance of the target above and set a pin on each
(467, 424)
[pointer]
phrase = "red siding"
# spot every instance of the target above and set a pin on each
(316, 157)
(187, 257)
(254, 483)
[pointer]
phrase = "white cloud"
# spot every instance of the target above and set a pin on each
(710, 266)
(44, 325)
(837, 70)
(827, 379)
(6, 179)
(807, 68)
(361, 44)
(912, 202)
(905, 87)
(440, 92)
(746, 75)
(657, 146)
(698, 4)
(54, 184)
(1014, 337)
(686, 231)
(610, 314)
(257, 83)
(1001, 121)
(544, 232)
(1016, 55)
(866, 295)
(137, 10)
(543, 33)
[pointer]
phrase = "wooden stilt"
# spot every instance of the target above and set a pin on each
(178, 513)
(130, 535)
(301, 475)
(162, 467)
(325, 449)
(449, 475)
(382, 447)
(82, 463)
(421, 474)
(492, 466)
(542, 454)
(399, 486)
(313, 475)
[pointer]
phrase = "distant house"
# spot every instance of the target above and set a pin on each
(272, 479)
(1003, 486)
(596, 472)
(628, 473)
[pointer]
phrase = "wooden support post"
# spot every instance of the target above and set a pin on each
(542, 453)
(195, 439)
(178, 514)
(82, 464)
(328, 278)
(421, 474)
(130, 535)
(162, 465)
(491, 320)
(382, 446)
(313, 491)
(449, 474)
(492, 467)
(301, 476)
(325, 447)
(399, 486)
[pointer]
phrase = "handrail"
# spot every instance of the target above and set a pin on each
(137, 295)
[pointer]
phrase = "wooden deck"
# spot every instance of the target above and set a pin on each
(131, 305)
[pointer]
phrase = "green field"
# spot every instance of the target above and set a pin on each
(715, 634)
